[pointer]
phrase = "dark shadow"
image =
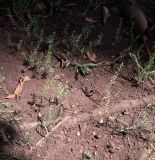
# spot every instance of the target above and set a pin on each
(9, 138)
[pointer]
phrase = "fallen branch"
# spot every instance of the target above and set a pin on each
(70, 121)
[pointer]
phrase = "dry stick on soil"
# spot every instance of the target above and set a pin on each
(70, 121)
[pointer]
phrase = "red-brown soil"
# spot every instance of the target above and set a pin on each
(80, 120)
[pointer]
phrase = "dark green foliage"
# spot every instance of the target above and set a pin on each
(22, 5)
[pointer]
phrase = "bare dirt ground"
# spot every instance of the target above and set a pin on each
(103, 115)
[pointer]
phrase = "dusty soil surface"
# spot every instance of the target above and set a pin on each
(103, 115)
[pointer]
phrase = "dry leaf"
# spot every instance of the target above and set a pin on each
(106, 14)
(26, 78)
(19, 88)
(90, 20)
(11, 96)
(91, 55)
